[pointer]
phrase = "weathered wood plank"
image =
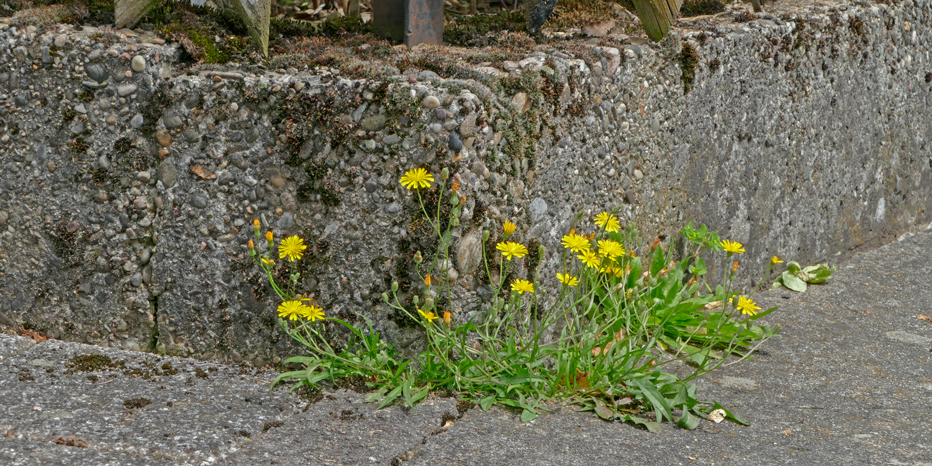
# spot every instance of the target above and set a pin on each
(128, 12)
(657, 16)
(256, 14)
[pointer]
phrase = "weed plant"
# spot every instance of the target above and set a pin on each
(625, 337)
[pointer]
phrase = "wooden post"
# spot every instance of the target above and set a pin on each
(128, 12)
(657, 16)
(256, 14)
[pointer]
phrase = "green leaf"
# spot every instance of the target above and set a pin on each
(656, 399)
(527, 415)
(406, 391)
(601, 410)
(651, 426)
(698, 267)
(792, 267)
(390, 397)
(420, 394)
(688, 421)
(287, 375)
(657, 263)
(486, 402)
(793, 282)
(376, 395)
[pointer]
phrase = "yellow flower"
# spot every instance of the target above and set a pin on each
(567, 279)
(428, 315)
(446, 317)
(576, 243)
(292, 247)
(251, 245)
(590, 258)
(510, 249)
(775, 260)
(269, 236)
(313, 313)
(522, 286)
(747, 306)
(610, 249)
(732, 247)
(291, 309)
(417, 178)
(607, 221)
(427, 280)
(255, 223)
(508, 228)
(268, 262)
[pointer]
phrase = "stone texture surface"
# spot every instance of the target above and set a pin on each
(836, 388)
(161, 410)
(804, 137)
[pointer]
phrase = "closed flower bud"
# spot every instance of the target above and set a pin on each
(445, 173)
(416, 299)
(428, 304)
(446, 317)
(394, 287)
(418, 258)
(485, 235)
(255, 223)
(734, 267)
(269, 236)
(385, 297)
(541, 251)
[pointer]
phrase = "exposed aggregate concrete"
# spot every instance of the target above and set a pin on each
(130, 179)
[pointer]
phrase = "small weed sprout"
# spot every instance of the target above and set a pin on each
(606, 342)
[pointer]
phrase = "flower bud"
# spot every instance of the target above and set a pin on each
(416, 299)
(269, 236)
(445, 173)
(734, 267)
(485, 235)
(255, 224)
(428, 304)
(541, 251)
(385, 297)
(427, 281)
(418, 258)
(454, 200)
(394, 287)
(446, 317)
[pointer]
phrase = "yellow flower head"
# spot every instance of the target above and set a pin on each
(255, 224)
(590, 258)
(610, 249)
(447, 317)
(576, 243)
(511, 249)
(427, 315)
(251, 245)
(775, 260)
(567, 279)
(417, 178)
(508, 228)
(292, 247)
(732, 247)
(747, 306)
(269, 236)
(313, 312)
(607, 221)
(291, 310)
(427, 280)
(522, 286)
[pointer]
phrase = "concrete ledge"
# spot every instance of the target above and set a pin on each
(129, 193)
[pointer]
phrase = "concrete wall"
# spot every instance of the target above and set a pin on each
(128, 193)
